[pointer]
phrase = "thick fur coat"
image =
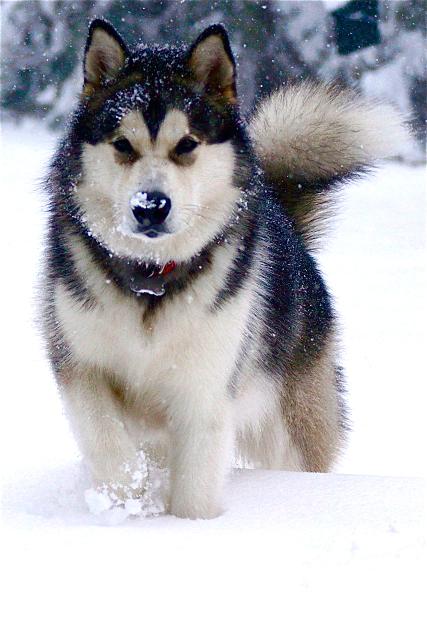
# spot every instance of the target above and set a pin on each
(183, 311)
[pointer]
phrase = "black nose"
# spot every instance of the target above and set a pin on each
(150, 207)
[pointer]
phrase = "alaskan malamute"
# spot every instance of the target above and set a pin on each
(184, 312)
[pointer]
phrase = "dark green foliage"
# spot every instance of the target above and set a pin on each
(356, 26)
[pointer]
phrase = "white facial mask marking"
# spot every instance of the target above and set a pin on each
(202, 194)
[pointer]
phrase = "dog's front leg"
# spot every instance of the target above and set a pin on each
(97, 422)
(201, 452)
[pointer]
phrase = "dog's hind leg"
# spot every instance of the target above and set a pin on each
(97, 421)
(313, 413)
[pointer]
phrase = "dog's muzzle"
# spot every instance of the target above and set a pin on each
(151, 208)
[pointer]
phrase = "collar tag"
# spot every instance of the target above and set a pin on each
(158, 291)
(151, 282)
(167, 268)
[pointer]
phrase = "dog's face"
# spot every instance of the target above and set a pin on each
(162, 148)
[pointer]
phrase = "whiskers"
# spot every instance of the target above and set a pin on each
(195, 210)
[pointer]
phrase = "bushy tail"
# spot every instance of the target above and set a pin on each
(311, 137)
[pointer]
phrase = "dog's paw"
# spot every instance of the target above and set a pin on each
(193, 511)
(109, 509)
(132, 492)
(125, 493)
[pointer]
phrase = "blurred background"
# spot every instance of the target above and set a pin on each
(376, 45)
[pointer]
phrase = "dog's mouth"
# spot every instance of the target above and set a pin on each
(151, 230)
(143, 230)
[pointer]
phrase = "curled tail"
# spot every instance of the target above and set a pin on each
(311, 137)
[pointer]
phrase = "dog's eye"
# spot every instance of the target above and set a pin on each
(123, 146)
(186, 145)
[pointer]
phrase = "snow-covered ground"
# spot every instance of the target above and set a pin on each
(294, 555)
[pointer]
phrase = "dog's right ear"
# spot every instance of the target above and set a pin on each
(105, 55)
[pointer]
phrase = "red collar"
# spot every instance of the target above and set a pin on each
(167, 268)
(158, 270)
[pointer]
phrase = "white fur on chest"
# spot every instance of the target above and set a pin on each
(183, 343)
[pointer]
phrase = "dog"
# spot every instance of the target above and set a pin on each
(183, 310)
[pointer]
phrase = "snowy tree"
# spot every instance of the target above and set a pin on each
(395, 69)
(275, 41)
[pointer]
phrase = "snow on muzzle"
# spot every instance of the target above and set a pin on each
(150, 209)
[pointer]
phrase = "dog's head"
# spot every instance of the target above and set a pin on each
(162, 149)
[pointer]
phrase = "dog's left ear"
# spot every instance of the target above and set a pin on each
(105, 54)
(212, 64)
